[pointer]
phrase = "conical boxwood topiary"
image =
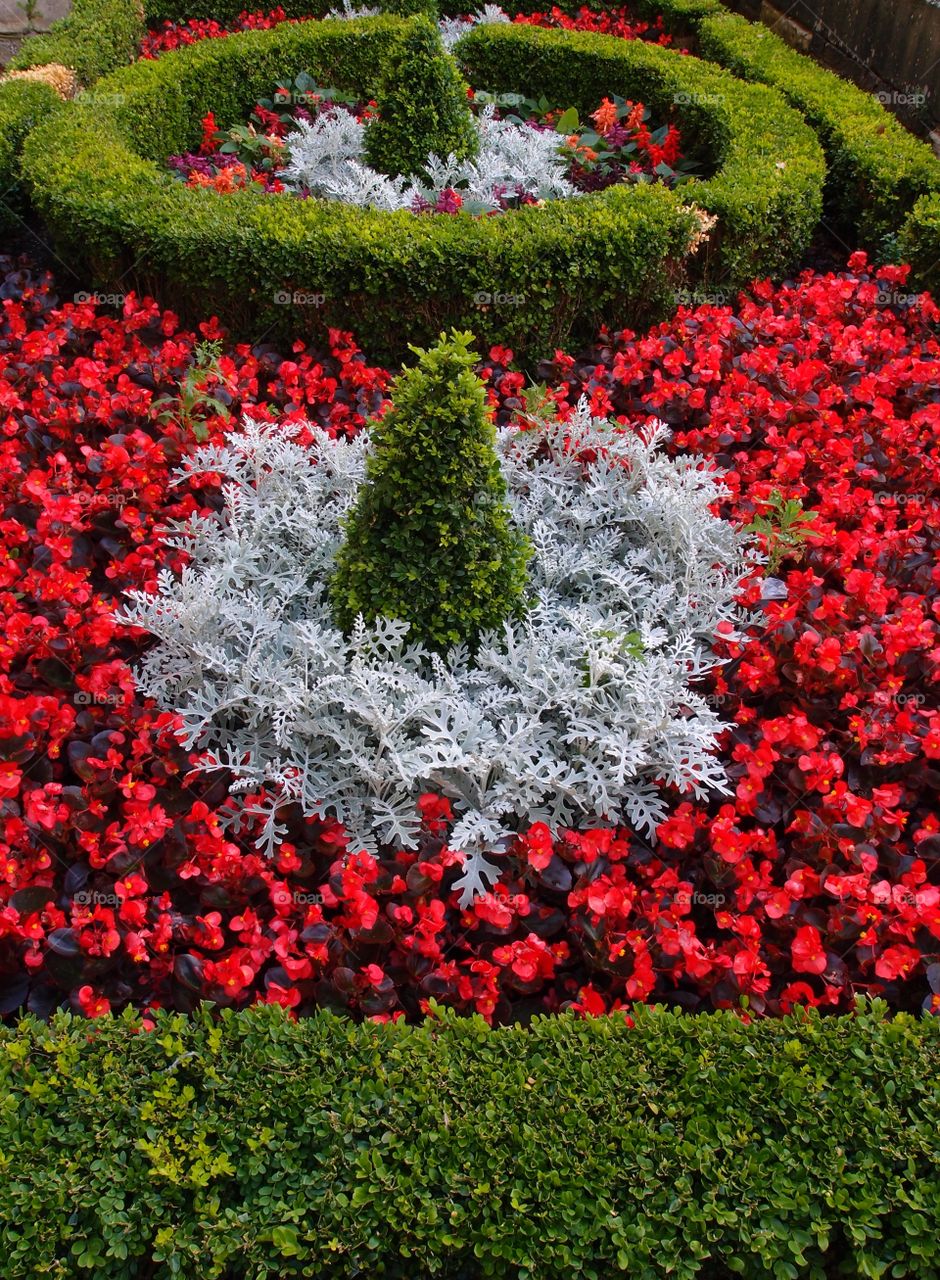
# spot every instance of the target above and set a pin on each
(430, 539)
(422, 107)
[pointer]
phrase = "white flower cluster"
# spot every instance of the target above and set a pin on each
(579, 712)
(326, 160)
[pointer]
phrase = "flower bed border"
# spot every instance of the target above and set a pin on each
(681, 1144)
(23, 103)
(877, 168)
(538, 276)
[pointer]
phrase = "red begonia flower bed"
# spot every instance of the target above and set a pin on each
(818, 879)
(617, 22)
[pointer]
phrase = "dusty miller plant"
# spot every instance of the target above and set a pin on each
(576, 713)
(326, 159)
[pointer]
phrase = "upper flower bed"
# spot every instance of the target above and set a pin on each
(96, 175)
(527, 154)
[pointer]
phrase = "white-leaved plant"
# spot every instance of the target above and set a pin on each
(577, 713)
(451, 29)
(326, 160)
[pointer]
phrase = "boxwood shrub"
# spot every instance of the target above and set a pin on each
(97, 37)
(539, 276)
(226, 11)
(23, 103)
(919, 242)
(246, 1145)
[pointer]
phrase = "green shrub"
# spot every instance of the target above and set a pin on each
(23, 103)
(247, 1146)
(96, 37)
(422, 108)
(919, 243)
(877, 169)
(409, 8)
(430, 539)
(226, 11)
(679, 16)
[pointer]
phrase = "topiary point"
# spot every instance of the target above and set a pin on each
(422, 108)
(430, 540)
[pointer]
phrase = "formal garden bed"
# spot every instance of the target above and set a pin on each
(471, 520)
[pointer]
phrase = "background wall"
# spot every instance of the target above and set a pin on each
(891, 47)
(20, 18)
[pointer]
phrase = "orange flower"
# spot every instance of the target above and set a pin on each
(605, 117)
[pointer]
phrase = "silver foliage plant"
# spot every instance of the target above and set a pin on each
(326, 159)
(577, 713)
(451, 29)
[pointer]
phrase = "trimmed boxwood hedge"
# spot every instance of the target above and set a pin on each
(877, 169)
(919, 242)
(766, 191)
(245, 1145)
(23, 103)
(538, 276)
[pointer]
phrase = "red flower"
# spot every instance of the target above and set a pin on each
(807, 951)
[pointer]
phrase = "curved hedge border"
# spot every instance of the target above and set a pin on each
(247, 1145)
(96, 37)
(877, 169)
(767, 190)
(23, 103)
(552, 274)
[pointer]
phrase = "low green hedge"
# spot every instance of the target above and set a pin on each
(877, 169)
(97, 37)
(226, 11)
(679, 16)
(767, 188)
(535, 276)
(919, 243)
(23, 103)
(248, 1146)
